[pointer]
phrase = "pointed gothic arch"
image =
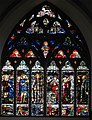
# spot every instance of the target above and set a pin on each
(49, 43)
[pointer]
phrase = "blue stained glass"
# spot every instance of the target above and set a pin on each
(7, 93)
(29, 31)
(52, 42)
(61, 31)
(12, 46)
(9, 41)
(51, 32)
(34, 47)
(22, 90)
(22, 44)
(38, 42)
(56, 47)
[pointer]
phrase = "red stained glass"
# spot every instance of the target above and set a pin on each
(60, 54)
(15, 53)
(30, 54)
(75, 54)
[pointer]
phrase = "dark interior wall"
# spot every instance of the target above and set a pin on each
(72, 10)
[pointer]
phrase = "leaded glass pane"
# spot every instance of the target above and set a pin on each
(82, 90)
(22, 90)
(67, 90)
(37, 90)
(7, 90)
(52, 90)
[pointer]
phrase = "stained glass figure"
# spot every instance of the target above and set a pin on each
(52, 97)
(67, 89)
(45, 21)
(45, 48)
(37, 90)
(75, 54)
(46, 10)
(7, 87)
(22, 90)
(35, 28)
(56, 28)
(15, 53)
(30, 54)
(60, 54)
(82, 90)
(82, 87)
(22, 110)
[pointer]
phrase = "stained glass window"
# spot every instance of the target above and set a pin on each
(45, 67)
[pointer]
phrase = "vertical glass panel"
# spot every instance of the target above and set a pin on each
(52, 90)
(22, 90)
(7, 90)
(67, 90)
(82, 90)
(37, 90)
